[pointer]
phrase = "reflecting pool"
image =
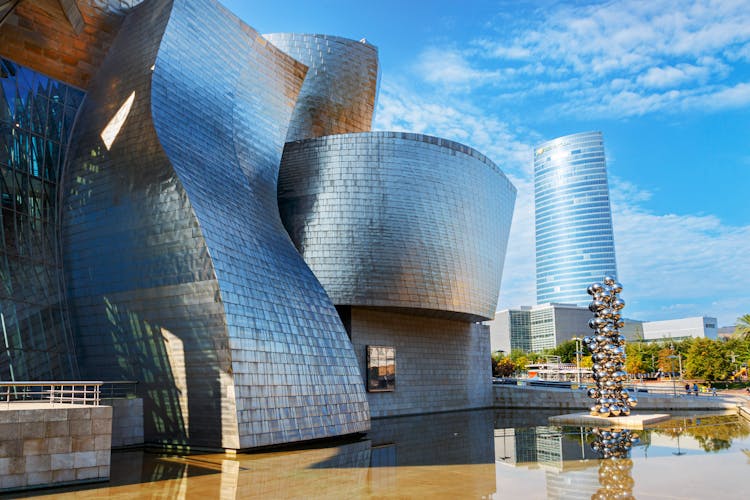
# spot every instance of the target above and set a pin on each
(478, 454)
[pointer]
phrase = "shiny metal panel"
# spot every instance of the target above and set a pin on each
(339, 92)
(398, 220)
(574, 237)
(180, 269)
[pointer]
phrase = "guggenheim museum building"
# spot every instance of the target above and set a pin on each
(206, 210)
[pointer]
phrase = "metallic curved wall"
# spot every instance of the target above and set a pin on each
(390, 219)
(338, 95)
(574, 239)
(180, 269)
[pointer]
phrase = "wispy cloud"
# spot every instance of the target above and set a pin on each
(451, 68)
(676, 262)
(624, 58)
(402, 109)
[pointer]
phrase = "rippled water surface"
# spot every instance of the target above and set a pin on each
(478, 454)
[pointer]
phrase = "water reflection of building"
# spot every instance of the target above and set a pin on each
(549, 447)
(441, 439)
(571, 466)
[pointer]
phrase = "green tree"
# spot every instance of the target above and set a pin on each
(566, 350)
(636, 356)
(708, 359)
(742, 326)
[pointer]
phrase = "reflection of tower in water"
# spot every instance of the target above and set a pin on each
(615, 470)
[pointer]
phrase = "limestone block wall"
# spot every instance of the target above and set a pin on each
(44, 445)
(127, 421)
(441, 364)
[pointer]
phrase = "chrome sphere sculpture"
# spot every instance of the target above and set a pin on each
(608, 351)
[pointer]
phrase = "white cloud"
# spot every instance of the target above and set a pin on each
(450, 68)
(625, 58)
(403, 110)
(671, 76)
(677, 265)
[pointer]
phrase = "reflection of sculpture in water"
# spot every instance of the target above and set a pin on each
(615, 479)
(608, 348)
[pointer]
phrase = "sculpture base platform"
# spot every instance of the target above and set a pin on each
(636, 422)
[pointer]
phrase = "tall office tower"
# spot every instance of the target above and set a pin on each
(574, 241)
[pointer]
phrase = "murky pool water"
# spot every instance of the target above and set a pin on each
(477, 454)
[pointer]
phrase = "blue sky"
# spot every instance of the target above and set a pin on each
(667, 82)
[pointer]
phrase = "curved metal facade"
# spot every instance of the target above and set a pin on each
(338, 95)
(390, 219)
(179, 267)
(574, 239)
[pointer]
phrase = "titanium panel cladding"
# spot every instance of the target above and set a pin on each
(574, 239)
(391, 219)
(338, 95)
(181, 272)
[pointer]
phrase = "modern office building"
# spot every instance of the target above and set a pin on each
(680, 329)
(536, 328)
(142, 176)
(574, 240)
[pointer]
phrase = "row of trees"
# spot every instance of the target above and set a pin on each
(701, 358)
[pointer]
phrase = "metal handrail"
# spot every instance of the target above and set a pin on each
(58, 391)
(119, 389)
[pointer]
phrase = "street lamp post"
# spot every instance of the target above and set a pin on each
(672, 358)
(578, 359)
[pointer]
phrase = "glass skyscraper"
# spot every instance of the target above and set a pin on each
(574, 241)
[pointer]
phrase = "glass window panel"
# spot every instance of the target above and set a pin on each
(6, 141)
(381, 369)
(39, 115)
(55, 120)
(51, 160)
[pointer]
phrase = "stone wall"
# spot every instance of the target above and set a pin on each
(41, 444)
(441, 364)
(127, 421)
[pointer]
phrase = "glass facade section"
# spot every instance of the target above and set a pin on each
(36, 115)
(574, 239)
(520, 328)
(542, 329)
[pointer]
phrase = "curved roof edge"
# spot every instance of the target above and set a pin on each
(339, 39)
(413, 136)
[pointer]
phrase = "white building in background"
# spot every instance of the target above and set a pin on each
(538, 328)
(680, 329)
